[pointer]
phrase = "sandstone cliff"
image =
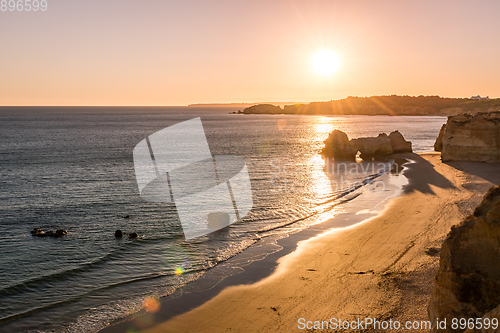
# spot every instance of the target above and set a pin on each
(470, 138)
(438, 145)
(467, 284)
(338, 146)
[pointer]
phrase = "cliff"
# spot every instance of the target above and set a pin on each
(438, 145)
(470, 138)
(385, 105)
(467, 284)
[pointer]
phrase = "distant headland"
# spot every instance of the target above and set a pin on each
(241, 105)
(393, 105)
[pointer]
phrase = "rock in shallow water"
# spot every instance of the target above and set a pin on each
(337, 145)
(38, 232)
(467, 284)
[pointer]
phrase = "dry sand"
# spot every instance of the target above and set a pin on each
(383, 268)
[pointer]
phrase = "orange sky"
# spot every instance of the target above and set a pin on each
(153, 52)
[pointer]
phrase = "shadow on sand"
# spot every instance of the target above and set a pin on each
(422, 174)
(487, 171)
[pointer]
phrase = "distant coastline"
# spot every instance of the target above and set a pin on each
(242, 104)
(393, 105)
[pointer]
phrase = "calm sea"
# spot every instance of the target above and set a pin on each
(72, 168)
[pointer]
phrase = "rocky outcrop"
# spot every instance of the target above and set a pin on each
(38, 232)
(399, 144)
(467, 284)
(470, 138)
(371, 147)
(338, 146)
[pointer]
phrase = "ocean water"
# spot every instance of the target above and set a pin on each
(72, 168)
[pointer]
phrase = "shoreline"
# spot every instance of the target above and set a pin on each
(382, 268)
(270, 248)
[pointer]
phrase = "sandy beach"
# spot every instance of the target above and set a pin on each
(382, 268)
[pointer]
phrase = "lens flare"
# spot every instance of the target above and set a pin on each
(179, 270)
(151, 304)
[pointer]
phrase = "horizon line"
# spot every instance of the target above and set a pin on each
(234, 104)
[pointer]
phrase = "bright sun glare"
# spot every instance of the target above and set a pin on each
(325, 63)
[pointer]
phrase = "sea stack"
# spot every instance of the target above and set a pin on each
(399, 144)
(338, 146)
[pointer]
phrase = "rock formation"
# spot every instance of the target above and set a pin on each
(399, 144)
(470, 138)
(467, 284)
(338, 146)
(370, 147)
(38, 232)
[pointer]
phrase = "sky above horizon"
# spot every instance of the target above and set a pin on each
(151, 52)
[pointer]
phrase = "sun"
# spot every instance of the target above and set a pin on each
(325, 62)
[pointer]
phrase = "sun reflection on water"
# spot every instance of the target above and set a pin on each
(319, 183)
